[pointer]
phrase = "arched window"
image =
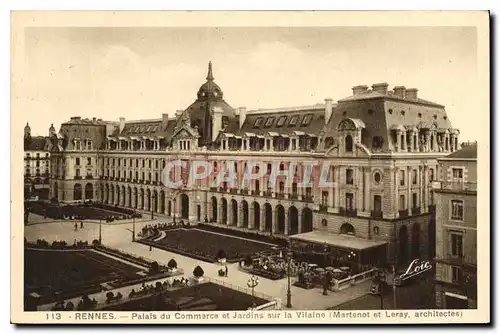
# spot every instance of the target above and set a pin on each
(347, 229)
(348, 143)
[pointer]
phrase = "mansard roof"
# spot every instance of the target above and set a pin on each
(38, 143)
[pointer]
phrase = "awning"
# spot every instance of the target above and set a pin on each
(249, 134)
(338, 240)
(112, 138)
(299, 133)
(228, 135)
(273, 134)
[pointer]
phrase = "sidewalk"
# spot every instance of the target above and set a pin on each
(119, 237)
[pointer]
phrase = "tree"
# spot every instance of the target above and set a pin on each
(198, 272)
(155, 267)
(248, 260)
(109, 296)
(172, 264)
(221, 254)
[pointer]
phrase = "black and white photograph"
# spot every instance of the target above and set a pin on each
(250, 172)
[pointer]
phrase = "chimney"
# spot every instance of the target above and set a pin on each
(400, 91)
(122, 123)
(178, 113)
(242, 111)
(328, 109)
(94, 119)
(412, 94)
(380, 87)
(164, 118)
(356, 90)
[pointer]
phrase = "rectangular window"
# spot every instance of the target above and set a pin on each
(77, 161)
(414, 177)
(281, 121)
(402, 202)
(309, 192)
(293, 121)
(456, 275)
(89, 161)
(258, 122)
(149, 163)
(402, 178)
(457, 210)
(282, 188)
(324, 198)
(457, 245)
(269, 122)
(377, 203)
(307, 120)
(458, 173)
(77, 172)
(349, 201)
(349, 176)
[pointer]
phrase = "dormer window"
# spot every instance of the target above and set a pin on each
(258, 122)
(89, 144)
(269, 122)
(348, 143)
(307, 120)
(281, 121)
(293, 121)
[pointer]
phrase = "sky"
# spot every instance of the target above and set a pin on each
(141, 73)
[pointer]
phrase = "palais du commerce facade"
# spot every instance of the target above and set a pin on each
(382, 145)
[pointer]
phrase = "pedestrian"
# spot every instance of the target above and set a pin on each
(226, 270)
(150, 248)
(81, 224)
(76, 227)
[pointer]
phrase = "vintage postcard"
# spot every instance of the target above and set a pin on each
(250, 167)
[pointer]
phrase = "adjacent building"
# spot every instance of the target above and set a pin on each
(456, 229)
(381, 145)
(36, 164)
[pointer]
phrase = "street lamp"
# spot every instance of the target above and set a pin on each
(175, 200)
(289, 291)
(325, 283)
(153, 197)
(133, 226)
(252, 283)
(100, 231)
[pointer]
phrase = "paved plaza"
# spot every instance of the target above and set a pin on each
(119, 236)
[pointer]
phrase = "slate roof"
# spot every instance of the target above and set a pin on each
(370, 94)
(38, 143)
(468, 151)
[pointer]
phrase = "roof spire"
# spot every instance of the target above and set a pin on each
(210, 76)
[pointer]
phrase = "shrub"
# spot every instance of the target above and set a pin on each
(198, 272)
(109, 296)
(69, 306)
(221, 254)
(95, 242)
(248, 260)
(172, 264)
(154, 267)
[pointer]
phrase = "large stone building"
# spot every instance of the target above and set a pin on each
(36, 164)
(382, 147)
(456, 229)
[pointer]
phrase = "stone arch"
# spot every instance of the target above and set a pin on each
(111, 199)
(103, 193)
(244, 212)
(213, 218)
(169, 208)
(77, 192)
(403, 245)
(135, 198)
(123, 197)
(162, 202)
(293, 220)
(415, 241)
(256, 215)
(184, 206)
(223, 203)
(118, 195)
(154, 201)
(307, 220)
(347, 228)
(89, 191)
(280, 218)
(234, 212)
(141, 199)
(268, 217)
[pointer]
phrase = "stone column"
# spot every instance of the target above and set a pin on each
(426, 189)
(219, 212)
(240, 217)
(229, 213)
(398, 140)
(396, 193)
(299, 222)
(251, 216)
(367, 190)
(337, 188)
(409, 194)
(262, 218)
(359, 192)
(274, 225)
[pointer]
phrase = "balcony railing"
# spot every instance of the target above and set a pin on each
(214, 189)
(308, 198)
(245, 192)
(256, 192)
(89, 177)
(403, 213)
(280, 195)
(377, 214)
(293, 196)
(455, 186)
(323, 207)
(233, 190)
(416, 211)
(268, 193)
(349, 212)
(78, 177)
